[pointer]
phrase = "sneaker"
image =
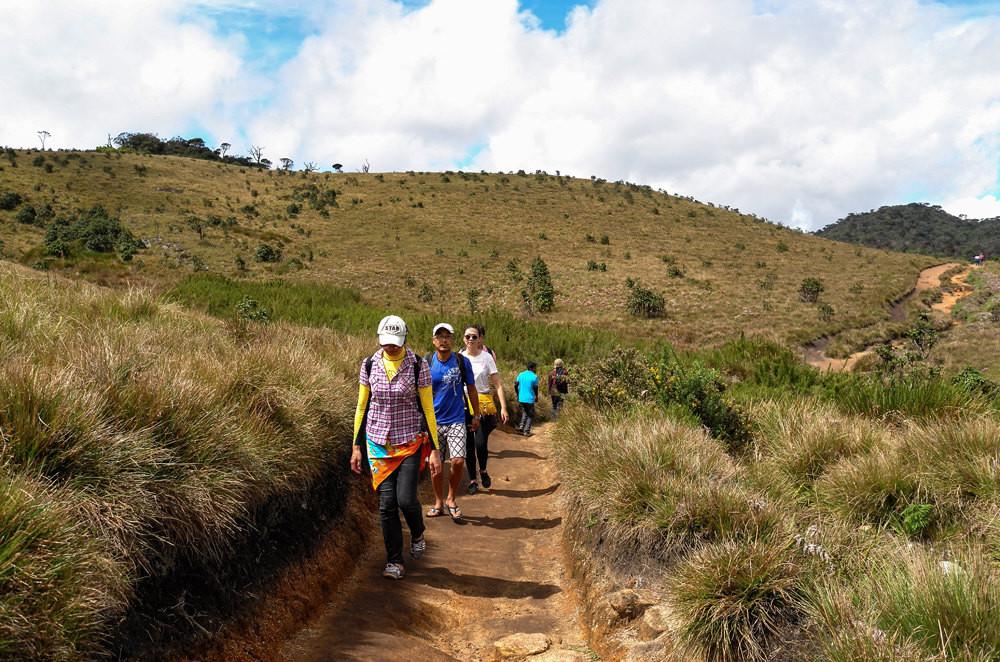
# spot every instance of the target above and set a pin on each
(393, 571)
(528, 434)
(418, 547)
(485, 477)
(473, 488)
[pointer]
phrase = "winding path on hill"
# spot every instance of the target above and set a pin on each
(927, 280)
(501, 572)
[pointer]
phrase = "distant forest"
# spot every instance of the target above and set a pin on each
(918, 228)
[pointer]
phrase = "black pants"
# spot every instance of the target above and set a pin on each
(527, 415)
(477, 448)
(395, 493)
(556, 406)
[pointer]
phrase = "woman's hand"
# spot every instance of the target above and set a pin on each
(503, 415)
(435, 462)
(474, 425)
(356, 460)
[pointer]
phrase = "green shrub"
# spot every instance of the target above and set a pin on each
(267, 253)
(10, 200)
(619, 379)
(701, 391)
(810, 289)
(93, 231)
(675, 272)
(643, 302)
(540, 289)
(26, 215)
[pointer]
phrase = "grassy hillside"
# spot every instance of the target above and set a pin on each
(918, 228)
(451, 242)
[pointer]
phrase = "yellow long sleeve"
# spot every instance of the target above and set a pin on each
(427, 402)
(364, 392)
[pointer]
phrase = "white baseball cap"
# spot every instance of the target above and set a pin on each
(392, 331)
(443, 325)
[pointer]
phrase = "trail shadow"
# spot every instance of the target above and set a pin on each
(480, 585)
(525, 494)
(506, 523)
(510, 453)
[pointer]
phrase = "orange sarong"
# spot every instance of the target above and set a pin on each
(383, 460)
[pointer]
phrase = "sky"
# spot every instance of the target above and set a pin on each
(800, 111)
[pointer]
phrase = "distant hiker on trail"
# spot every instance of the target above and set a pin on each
(395, 386)
(451, 378)
(491, 395)
(557, 386)
(526, 386)
(979, 259)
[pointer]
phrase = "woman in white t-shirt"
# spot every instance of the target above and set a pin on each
(491, 397)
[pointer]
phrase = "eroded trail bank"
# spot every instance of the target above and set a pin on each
(498, 573)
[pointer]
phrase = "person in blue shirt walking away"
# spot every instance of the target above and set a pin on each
(526, 386)
(452, 378)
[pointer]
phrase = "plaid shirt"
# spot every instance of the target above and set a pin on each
(394, 416)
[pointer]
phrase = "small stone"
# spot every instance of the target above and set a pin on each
(521, 645)
(655, 621)
(626, 603)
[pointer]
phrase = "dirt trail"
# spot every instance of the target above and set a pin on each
(927, 280)
(500, 572)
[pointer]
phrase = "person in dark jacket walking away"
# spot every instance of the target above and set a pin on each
(558, 386)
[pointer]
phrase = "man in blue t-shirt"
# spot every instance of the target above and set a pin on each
(450, 382)
(526, 386)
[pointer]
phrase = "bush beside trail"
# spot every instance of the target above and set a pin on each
(140, 441)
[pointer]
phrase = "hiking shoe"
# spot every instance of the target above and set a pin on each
(393, 571)
(473, 488)
(485, 477)
(417, 547)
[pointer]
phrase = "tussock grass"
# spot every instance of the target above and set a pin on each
(949, 466)
(735, 597)
(801, 438)
(911, 606)
(656, 486)
(138, 438)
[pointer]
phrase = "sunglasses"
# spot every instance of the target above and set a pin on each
(471, 337)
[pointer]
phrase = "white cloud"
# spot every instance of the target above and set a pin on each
(987, 206)
(82, 70)
(803, 114)
(799, 110)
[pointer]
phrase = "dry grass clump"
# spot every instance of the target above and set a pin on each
(734, 597)
(801, 438)
(924, 481)
(910, 605)
(656, 485)
(159, 434)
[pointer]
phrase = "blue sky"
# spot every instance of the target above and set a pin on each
(801, 111)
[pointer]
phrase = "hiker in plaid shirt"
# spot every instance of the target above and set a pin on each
(394, 399)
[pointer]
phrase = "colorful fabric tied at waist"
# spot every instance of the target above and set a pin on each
(486, 405)
(383, 460)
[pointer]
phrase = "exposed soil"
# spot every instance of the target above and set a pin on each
(499, 572)
(928, 279)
